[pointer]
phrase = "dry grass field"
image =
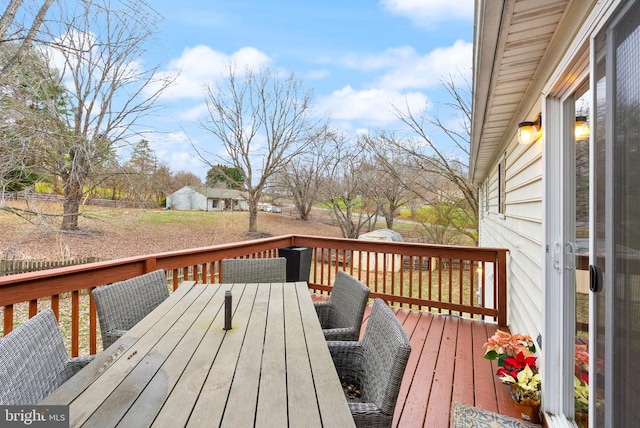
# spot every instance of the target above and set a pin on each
(115, 233)
(107, 233)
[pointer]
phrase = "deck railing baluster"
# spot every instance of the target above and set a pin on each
(404, 274)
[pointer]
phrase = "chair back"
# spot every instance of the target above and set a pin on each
(386, 350)
(32, 360)
(254, 270)
(121, 305)
(348, 301)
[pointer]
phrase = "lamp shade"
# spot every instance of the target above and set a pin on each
(527, 132)
(582, 130)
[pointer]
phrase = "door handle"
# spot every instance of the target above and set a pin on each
(571, 256)
(556, 255)
(595, 279)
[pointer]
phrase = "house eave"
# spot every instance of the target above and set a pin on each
(516, 46)
(485, 41)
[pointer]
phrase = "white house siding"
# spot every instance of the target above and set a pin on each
(207, 199)
(520, 230)
(187, 199)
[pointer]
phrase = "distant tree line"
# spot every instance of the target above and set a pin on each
(71, 101)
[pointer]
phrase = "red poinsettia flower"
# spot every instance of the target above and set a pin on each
(583, 376)
(513, 365)
(520, 361)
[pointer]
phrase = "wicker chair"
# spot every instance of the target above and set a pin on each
(254, 270)
(374, 366)
(341, 316)
(123, 304)
(34, 361)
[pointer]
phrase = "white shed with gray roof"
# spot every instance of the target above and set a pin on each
(207, 199)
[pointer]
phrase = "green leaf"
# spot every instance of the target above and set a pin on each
(491, 355)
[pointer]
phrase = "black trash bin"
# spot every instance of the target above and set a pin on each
(298, 262)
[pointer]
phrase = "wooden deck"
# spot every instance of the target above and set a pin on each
(446, 365)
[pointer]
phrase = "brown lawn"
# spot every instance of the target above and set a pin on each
(107, 233)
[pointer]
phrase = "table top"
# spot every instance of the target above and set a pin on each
(179, 367)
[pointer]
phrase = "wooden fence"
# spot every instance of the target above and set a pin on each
(12, 267)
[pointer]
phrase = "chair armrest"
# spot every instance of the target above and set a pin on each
(109, 337)
(369, 415)
(347, 358)
(347, 333)
(74, 365)
(323, 309)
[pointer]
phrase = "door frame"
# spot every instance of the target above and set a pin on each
(559, 273)
(558, 310)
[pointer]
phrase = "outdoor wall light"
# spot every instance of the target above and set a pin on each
(582, 130)
(529, 132)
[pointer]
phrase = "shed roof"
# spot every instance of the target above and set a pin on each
(214, 193)
(382, 235)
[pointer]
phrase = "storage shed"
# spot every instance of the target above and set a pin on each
(207, 199)
(388, 262)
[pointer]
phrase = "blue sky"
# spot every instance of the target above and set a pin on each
(358, 56)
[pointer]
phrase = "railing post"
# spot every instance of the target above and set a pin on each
(150, 265)
(501, 258)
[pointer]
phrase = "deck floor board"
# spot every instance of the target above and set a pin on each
(446, 365)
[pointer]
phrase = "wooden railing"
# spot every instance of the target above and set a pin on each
(462, 281)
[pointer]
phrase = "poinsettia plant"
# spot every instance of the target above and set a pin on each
(581, 379)
(517, 364)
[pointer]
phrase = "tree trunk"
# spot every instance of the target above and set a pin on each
(253, 217)
(389, 220)
(71, 205)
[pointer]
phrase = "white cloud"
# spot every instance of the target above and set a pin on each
(404, 68)
(424, 13)
(77, 55)
(201, 64)
(193, 114)
(427, 71)
(175, 150)
(371, 106)
(317, 74)
(389, 58)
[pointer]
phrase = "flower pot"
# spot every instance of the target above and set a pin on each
(582, 419)
(528, 407)
(529, 410)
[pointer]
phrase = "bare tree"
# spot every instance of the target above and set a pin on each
(347, 187)
(147, 177)
(303, 178)
(184, 178)
(455, 195)
(98, 46)
(391, 190)
(263, 120)
(15, 31)
(27, 115)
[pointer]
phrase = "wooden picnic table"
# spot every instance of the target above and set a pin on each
(179, 367)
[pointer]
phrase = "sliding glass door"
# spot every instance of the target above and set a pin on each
(615, 259)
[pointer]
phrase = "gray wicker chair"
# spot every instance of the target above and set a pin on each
(375, 366)
(123, 304)
(254, 270)
(341, 316)
(34, 361)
